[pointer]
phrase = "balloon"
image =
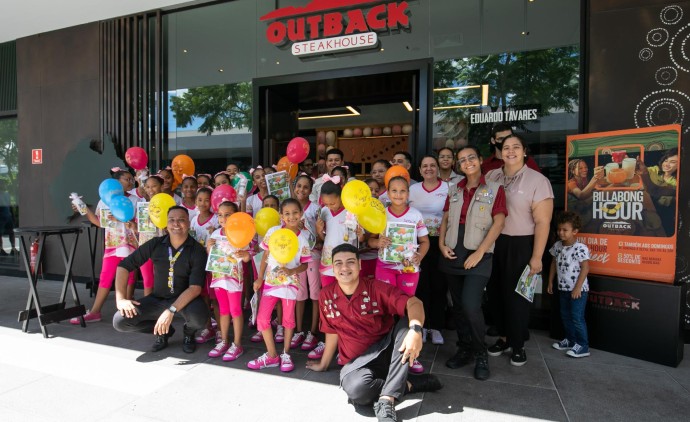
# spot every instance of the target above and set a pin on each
(265, 219)
(376, 131)
(355, 196)
(108, 189)
(373, 219)
(297, 150)
(387, 130)
(137, 158)
(121, 208)
(347, 133)
(357, 132)
(321, 137)
(367, 131)
(283, 245)
(284, 164)
(394, 172)
(321, 150)
(396, 129)
(221, 194)
(239, 229)
(158, 209)
(376, 204)
(182, 164)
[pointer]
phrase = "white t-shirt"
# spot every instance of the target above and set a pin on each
(430, 204)
(339, 230)
(232, 280)
(310, 214)
(568, 264)
(119, 241)
(254, 204)
(410, 215)
(385, 200)
(282, 286)
(200, 230)
(192, 211)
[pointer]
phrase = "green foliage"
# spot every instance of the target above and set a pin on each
(223, 107)
(9, 153)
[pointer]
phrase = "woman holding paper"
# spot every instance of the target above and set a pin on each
(522, 242)
(473, 217)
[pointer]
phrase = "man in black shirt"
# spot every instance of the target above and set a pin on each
(179, 264)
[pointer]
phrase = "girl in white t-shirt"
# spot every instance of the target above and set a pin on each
(205, 222)
(255, 202)
(168, 180)
(188, 189)
(378, 173)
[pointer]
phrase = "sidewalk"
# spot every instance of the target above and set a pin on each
(97, 374)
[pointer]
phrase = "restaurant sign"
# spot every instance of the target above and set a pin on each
(330, 26)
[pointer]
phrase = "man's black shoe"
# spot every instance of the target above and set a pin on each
(424, 383)
(481, 366)
(461, 358)
(385, 411)
(162, 341)
(492, 331)
(188, 344)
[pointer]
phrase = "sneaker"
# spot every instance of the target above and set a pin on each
(214, 324)
(518, 358)
(219, 336)
(251, 324)
(219, 350)
(416, 367)
(461, 358)
(205, 335)
(318, 351)
(297, 340)
(385, 411)
(280, 334)
(481, 366)
(436, 337)
(286, 364)
(188, 344)
(578, 351)
(264, 361)
(423, 383)
(562, 345)
(257, 338)
(89, 317)
(162, 341)
(499, 348)
(274, 323)
(424, 334)
(310, 341)
(233, 353)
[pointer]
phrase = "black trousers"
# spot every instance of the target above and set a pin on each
(384, 375)
(150, 309)
(467, 292)
(510, 310)
(432, 288)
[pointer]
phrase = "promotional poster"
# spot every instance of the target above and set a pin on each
(624, 186)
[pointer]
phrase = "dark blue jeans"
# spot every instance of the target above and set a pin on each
(573, 317)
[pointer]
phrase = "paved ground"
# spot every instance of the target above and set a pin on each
(96, 374)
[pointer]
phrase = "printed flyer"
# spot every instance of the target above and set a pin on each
(278, 184)
(624, 187)
(403, 238)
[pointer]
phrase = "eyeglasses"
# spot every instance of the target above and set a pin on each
(471, 157)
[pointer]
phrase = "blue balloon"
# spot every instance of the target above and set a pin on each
(122, 208)
(108, 189)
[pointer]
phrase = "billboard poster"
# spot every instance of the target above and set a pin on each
(624, 186)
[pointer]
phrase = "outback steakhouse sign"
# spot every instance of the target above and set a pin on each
(327, 26)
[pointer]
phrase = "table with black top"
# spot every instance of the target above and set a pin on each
(47, 314)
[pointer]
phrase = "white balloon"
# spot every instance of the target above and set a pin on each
(367, 131)
(387, 130)
(407, 129)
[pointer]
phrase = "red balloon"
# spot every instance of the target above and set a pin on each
(137, 158)
(221, 194)
(297, 150)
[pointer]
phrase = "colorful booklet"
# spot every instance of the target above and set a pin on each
(105, 220)
(527, 284)
(220, 259)
(403, 238)
(278, 184)
(144, 223)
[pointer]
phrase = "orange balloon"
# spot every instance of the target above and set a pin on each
(396, 171)
(181, 165)
(239, 229)
(284, 164)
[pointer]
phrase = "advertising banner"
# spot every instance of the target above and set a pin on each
(624, 187)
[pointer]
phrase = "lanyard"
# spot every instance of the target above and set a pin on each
(172, 259)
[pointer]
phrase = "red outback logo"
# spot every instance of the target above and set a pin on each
(615, 301)
(327, 26)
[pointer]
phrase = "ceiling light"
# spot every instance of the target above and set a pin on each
(407, 105)
(454, 88)
(484, 102)
(220, 70)
(184, 50)
(524, 33)
(328, 113)
(382, 49)
(277, 62)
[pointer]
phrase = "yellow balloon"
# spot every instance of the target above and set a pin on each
(158, 209)
(283, 245)
(378, 205)
(265, 219)
(373, 220)
(356, 195)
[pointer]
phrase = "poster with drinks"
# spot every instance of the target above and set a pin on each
(624, 186)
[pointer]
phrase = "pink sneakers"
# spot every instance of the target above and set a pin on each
(219, 350)
(205, 335)
(297, 340)
(280, 334)
(416, 367)
(264, 361)
(233, 353)
(309, 342)
(89, 317)
(257, 338)
(318, 351)
(286, 364)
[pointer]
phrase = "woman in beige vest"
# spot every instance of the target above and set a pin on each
(473, 218)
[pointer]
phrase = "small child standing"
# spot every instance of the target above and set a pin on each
(571, 263)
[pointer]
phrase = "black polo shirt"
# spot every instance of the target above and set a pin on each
(189, 269)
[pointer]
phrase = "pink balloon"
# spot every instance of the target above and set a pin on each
(297, 150)
(321, 149)
(221, 194)
(137, 158)
(397, 129)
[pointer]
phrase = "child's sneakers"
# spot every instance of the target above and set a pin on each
(318, 351)
(264, 361)
(89, 317)
(310, 341)
(233, 353)
(205, 335)
(257, 338)
(286, 364)
(563, 345)
(214, 324)
(280, 334)
(416, 367)
(219, 350)
(578, 351)
(297, 340)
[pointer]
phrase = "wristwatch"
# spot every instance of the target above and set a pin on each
(172, 309)
(416, 328)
